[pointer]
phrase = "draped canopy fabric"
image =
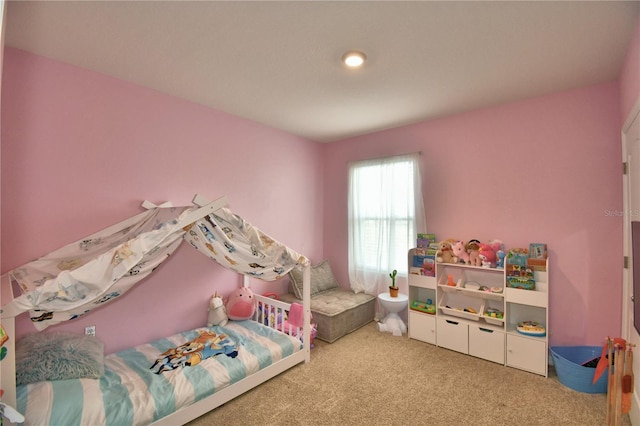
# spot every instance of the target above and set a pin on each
(78, 277)
(81, 276)
(238, 245)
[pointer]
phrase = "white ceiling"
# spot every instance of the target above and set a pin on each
(278, 63)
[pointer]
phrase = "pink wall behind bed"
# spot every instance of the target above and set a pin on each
(80, 151)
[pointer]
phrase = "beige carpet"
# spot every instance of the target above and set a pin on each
(374, 378)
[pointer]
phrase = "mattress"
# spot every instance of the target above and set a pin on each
(130, 393)
(337, 312)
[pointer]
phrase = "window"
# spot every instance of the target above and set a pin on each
(385, 214)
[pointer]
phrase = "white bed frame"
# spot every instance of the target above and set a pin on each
(227, 394)
(186, 414)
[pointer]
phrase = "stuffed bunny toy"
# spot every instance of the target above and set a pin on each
(217, 312)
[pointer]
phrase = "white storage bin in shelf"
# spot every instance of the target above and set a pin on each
(497, 307)
(460, 306)
(460, 313)
(445, 269)
(447, 288)
(493, 321)
(472, 292)
(443, 281)
(471, 277)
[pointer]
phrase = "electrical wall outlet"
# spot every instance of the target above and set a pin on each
(90, 330)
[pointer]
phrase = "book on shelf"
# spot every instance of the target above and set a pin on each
(423, 265)
(426, 245)
(424, 240)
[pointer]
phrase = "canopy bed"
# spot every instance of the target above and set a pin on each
(135, 386)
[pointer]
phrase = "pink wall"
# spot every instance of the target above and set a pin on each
(543, 170)
(89, 148)
(80, 151)
(630, 76)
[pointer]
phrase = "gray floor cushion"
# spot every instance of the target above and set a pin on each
(338, 311)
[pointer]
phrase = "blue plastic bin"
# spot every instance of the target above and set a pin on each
(567, 361)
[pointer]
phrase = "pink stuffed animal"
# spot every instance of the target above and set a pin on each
(460, 252)
(487, 256)
(241, 304)
(496, 245)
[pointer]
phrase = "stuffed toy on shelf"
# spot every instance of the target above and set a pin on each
(445, 251)
(460, 252)
(473, 248)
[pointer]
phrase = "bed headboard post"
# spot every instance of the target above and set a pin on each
(306, 302)
(246, 281)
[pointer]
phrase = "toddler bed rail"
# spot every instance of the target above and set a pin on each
(284, 317)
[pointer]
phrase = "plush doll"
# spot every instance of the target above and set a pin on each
(473, 248)
(498, 247)
(445, 253)
(241, 304)
(460, 252)
(487, 256)
(217, 312)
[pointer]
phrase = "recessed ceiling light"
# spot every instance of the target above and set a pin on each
(354, 59)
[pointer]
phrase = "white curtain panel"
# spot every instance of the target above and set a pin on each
(386, 212)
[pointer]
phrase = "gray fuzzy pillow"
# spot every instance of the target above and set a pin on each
(58, 356)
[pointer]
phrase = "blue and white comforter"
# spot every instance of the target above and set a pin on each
(130, 393)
